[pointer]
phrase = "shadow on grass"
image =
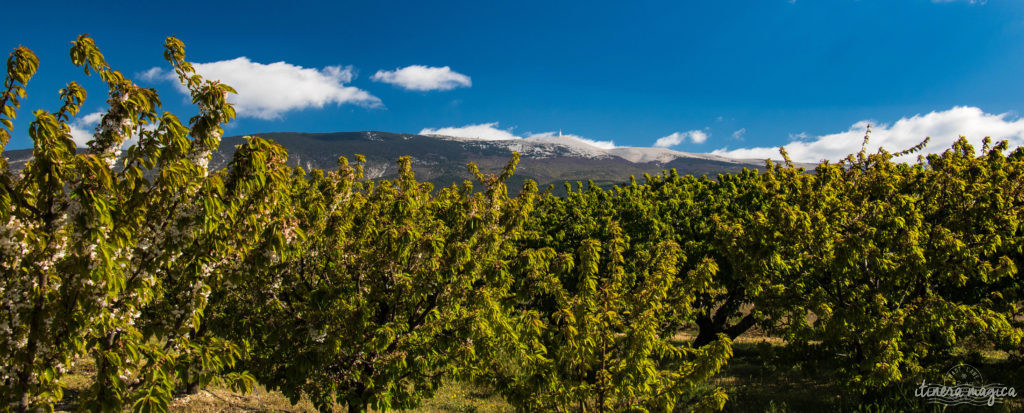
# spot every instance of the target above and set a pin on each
(766, 376)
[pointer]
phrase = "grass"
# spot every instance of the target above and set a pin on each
(762, 376)
(452, 397)
(218, 399)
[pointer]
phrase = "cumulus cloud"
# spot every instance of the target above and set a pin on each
(943, 128)
(559, 135)
(676, 138)
(979, 2)
(83, 127)
(267, 91)
(423, 78)
(155, 74)
(491, 132)
(483, 131)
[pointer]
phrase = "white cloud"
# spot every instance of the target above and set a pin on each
(979, 2)
(491, 132)
(676, 138)
(155, 74)
(591, 142)
(483, 131)
(83, 127)
(943, 127)
(739, 133)
(671, 140)
(423, 78)
(266, 91)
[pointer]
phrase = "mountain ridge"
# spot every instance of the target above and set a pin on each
(442, 160)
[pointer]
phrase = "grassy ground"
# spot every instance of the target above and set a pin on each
(761, 377)
(452, 397)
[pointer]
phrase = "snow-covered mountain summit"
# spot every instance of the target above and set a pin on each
(547, 159)
(549, 145)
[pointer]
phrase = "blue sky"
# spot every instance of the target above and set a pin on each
(736, 77)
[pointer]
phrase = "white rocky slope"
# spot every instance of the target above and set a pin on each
(553, 146)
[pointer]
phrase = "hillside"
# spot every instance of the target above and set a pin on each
(442, 160)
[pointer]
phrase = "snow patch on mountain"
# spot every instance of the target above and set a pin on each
(550, 146)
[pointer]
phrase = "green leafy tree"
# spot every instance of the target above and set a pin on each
(380, 288)
(593, 317)
(904, 261)
(91, 241)
(731, 222)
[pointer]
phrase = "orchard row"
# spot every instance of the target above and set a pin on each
(367, 294)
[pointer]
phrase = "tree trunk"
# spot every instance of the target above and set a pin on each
(192, 380)
(359, 403)
(104, 397)
(192, 387)
(23, 403)
(356, 407)
(709, 328)
(706, 331)
(741, 327)
(35, 325)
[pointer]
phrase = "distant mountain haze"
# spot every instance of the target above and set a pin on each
(442, 160)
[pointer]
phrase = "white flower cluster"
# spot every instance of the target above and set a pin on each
(56, 252)
(114, 130)
(318, 336)
(12, 243)
(290, 231)
(141, 256)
